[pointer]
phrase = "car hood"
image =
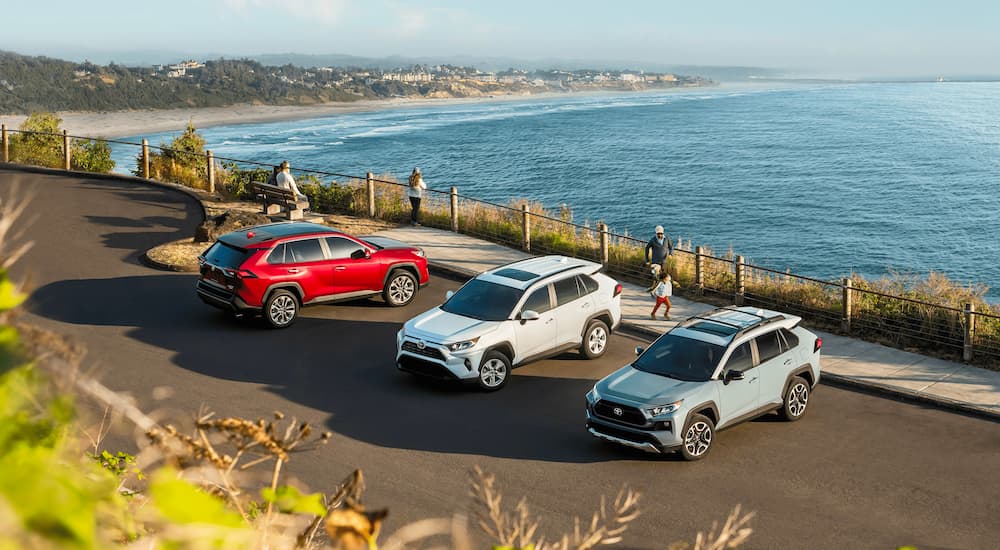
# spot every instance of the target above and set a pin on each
(437, 325)
(386, 242)
(642, 387)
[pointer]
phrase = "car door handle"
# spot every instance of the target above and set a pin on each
(293, 270)
(339, 268)
(752, 380)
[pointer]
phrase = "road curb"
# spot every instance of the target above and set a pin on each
(150, 262)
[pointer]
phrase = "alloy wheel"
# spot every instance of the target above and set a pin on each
(798, 398)
(698, 438)
(401, 289)
(598, 340)
(282, 310)
(493, 373)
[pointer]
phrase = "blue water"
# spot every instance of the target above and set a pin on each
(825, 180)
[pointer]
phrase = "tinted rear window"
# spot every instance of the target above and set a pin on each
(306, 250)
(227, 256)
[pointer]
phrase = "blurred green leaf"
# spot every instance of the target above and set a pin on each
(290, 501)
(181, 502)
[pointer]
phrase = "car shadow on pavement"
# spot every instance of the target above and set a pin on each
(343, 367)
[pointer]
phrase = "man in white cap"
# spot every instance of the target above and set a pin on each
(658, 250)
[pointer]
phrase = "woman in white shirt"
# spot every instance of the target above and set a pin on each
(415, 192)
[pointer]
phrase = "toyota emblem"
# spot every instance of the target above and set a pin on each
(421, 344)
(618, 411)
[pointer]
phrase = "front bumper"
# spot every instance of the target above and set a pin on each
(436, 361)
(659, 436)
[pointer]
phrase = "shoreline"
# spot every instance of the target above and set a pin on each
(119, 124)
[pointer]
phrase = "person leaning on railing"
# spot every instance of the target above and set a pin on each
(658, 251)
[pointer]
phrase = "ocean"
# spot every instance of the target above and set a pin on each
(825, 180)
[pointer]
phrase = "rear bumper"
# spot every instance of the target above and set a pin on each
(221, 298)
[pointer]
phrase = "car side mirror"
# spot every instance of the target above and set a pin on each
(733, 375)
(529, 315)
(639, 350)
(449, 294)
(361, 253)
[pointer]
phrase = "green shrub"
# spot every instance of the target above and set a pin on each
(40, 143)
(91, 155)
(183, 161)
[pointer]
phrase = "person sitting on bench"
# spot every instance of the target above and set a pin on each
(286, 181)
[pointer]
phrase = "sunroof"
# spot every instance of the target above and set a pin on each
(516, 274)
(714, 328)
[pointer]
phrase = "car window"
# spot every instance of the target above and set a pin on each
(566, 291)
(791, 340)
(306, 250)
(341, 248)
(741, 359)
(226, 255)
(768, 346)
(588, 284)
(538, 301)
(483, 300)
(680, 358)
(277, 256)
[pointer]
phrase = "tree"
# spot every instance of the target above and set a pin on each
(40, 142)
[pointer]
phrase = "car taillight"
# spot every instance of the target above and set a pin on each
(245, 274)
(817, 345)
(618, 290)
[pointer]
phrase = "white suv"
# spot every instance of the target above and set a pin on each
(509, 316)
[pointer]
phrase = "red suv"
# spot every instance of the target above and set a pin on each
(274, 269)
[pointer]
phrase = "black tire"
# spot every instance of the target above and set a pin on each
(400, 288)
(595, 339)
(494, 371)
(796, 399)
(698, 435)
(281, 309)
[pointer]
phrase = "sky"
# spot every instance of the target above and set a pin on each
(836, 38)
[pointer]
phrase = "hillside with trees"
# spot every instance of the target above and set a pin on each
(32, 84)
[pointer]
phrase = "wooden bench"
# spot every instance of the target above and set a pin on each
(275, 200)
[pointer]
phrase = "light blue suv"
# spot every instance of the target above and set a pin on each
(709, 372)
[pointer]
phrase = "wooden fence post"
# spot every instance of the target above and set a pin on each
(66, 159)
(605, 244)
(145, 159)
(210, 158)
(454, 209)
(699, 269)
(970, 331)
(3, 137)
(370, 192)
(848, 299)
(740, 287)
(525, 228)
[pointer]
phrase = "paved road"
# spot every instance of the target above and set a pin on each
(859, 472)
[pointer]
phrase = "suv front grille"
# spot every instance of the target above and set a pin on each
(619, 413)
(425, 368)
(432, 352)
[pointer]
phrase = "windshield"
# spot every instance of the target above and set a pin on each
(681, 358)
(484, 301)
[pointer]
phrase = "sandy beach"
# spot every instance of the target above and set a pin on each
(117, 124)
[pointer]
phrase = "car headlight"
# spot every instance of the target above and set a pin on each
(463, 345)
(419, 252)
(661, 410)
(593, 396)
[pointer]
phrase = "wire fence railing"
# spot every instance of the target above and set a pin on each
(853, 306)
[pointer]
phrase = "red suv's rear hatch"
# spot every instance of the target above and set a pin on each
(220, 263)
